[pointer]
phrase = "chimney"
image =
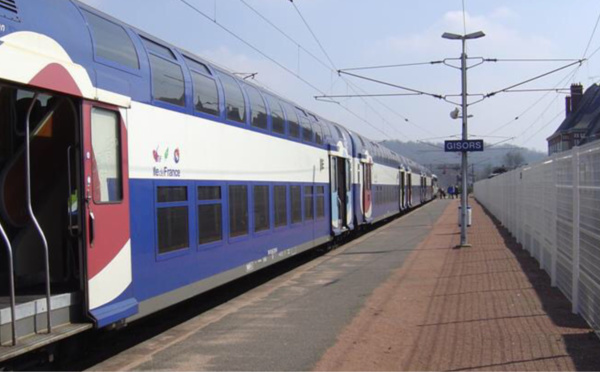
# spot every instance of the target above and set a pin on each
(576, 95)
(568, 105)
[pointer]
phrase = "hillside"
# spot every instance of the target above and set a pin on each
(446, 165)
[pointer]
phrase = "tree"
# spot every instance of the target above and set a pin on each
(513, 159)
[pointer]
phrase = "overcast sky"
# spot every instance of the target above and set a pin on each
(358, 33)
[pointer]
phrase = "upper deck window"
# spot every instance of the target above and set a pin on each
(158, 49)
(318, 133)
(277, 117)
(307, 132)
(167, 81)
(257, 107)
(292, 120)
(167, 77)
(197, 66)
(234, 99)
(111, 42)
(206, 96)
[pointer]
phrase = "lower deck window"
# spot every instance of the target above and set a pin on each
(308, 203)
(172, 218)
(320, 198)
(296, 202)
(261, 208)
(238, 210)
(209, 223)
(173, 229)
(280, 199)
(210, 214)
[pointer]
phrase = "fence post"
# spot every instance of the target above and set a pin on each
(575, 282)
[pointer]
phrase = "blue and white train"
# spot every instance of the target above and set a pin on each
(135, 175)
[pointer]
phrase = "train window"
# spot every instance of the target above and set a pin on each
(234, 99)
(197, 66)
(280, 197)
(292, 119)
(209, 193)
(167, 81)
(277, 117)
(158, 49)
(258, 109)
(339, 132)
(210, 223)
(171, 194)
(206, 96)
(238, 210)
(173, 233)
(111, 42)
(307, 132)
(210, 214)
(261, 208)
(320, 196)
(106, 152)
(172, 219)
(318, 134)
(296, 202)
(309, 210)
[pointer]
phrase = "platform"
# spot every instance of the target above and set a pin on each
(398, 298)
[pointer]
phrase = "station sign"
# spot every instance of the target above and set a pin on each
(463, 145)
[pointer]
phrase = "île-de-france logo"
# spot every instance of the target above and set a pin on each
(162, 156)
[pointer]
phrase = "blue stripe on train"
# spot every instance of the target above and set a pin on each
(155, 274)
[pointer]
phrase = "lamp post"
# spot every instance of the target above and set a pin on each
(465, 136)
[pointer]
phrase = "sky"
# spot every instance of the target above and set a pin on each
(297, 48)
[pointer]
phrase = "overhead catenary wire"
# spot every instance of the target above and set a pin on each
(273, 60)
(579, 61)
(301, 47)
(391, 66)
(335, 68)
(584, 57)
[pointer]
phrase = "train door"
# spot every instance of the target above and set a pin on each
(349, 214)
(106, 193)
(401, 191)
(409, 194)
(39, 175)
(340, 182)
(367, 191)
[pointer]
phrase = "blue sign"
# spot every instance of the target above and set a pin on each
(463, 145)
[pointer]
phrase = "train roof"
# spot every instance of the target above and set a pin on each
(123, 68)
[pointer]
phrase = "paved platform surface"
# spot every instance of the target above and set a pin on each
(399, 298)
(289, 322)
(488, 307)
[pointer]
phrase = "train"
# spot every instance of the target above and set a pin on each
(135, 175)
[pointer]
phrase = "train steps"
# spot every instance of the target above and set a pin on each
(31, 322)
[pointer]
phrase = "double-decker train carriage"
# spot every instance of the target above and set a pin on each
(135, 175)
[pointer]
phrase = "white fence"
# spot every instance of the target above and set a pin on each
(553, 209)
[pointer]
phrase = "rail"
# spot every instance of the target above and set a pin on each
(32, 215)
(553, 209)
(11, 274)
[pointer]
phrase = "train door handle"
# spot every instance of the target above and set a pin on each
(91, 224)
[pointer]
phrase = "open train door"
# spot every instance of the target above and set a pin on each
(106, 189)
(401, 190)
(338, 194)
(367, 197)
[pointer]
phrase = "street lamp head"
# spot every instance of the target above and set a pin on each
(451, 36)
(474, 35)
